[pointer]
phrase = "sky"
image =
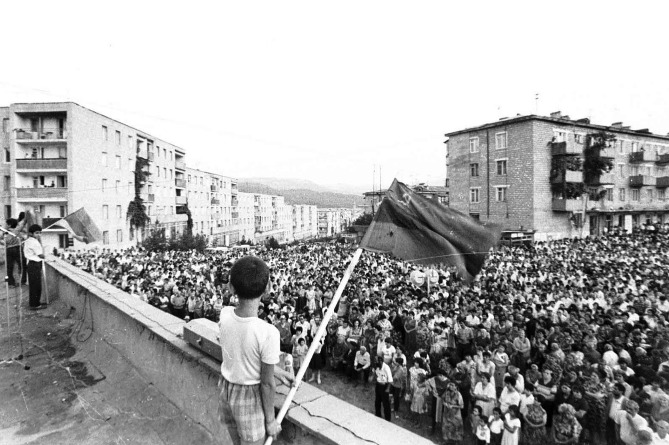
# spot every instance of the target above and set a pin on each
(336, 92)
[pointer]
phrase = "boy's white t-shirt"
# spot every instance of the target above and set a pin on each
(245, 343)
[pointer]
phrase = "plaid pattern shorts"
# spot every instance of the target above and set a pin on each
(240, 410)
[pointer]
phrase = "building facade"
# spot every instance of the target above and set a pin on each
(558, 177)
(435, 192)
(59, 157)
(305, 221)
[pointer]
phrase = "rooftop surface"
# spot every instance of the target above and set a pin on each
(51, 393)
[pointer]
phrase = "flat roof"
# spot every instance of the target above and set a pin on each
(559, 120)
(176, 147)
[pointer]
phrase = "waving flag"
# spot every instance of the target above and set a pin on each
(423, 231)
(81, 226)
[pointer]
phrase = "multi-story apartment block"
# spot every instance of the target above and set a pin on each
(246, 216)
(558, 177)
(59, 157)
(333, 221)
(435, 192)
(305, 221)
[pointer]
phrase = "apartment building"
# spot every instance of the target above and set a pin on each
(558, 177)
(435, 192)
(59, 157)
(305, 221)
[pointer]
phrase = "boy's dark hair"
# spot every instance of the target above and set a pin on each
(35, 228)
(249, 277)
(12, 223)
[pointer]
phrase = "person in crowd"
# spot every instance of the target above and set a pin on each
(451, 423)
(566, 428)
(384, 378)
(512, 425)
(362, 366)
(399, 384)
(484, 395)
(34, 255)
(496, 426)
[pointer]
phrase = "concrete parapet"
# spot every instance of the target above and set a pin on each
(152, 340)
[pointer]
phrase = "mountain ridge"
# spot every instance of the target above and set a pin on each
(320, 198)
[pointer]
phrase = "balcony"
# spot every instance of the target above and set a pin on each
(642, 156)
(42, 164)
(214, 188)
(234, 215)
(151, 156)
(662, 182)
(47, 134)
(568, 176)
(565, 148)
(234, 202)
(216, 216)
(149, 197)
(215, 201)
(180, 165)
(234, 190)
(604, 178)
(663, 159)
(567, 205)
(181, 200)
(181, 183)
(641, 180)
(47, 194)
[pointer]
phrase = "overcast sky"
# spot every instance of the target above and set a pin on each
(331, 91)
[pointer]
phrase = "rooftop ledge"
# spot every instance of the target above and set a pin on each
(152, 340)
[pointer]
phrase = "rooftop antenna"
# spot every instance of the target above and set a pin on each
(536, 103)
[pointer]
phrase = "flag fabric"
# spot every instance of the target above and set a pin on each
(81, 225)
(424, 231)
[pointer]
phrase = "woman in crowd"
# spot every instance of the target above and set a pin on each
(451, 423)
(566, 428)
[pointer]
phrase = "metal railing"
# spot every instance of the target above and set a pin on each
(43, 134)
(41, 164)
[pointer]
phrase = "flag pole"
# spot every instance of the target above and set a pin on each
(316, 340)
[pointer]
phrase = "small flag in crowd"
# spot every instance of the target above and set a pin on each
(423, 231)
(81, 226)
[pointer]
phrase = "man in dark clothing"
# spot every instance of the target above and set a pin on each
(13, 246)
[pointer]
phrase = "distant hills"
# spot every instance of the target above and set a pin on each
(297, 191)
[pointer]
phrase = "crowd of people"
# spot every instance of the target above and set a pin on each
(564, 341)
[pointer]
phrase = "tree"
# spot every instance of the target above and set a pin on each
(136, 213)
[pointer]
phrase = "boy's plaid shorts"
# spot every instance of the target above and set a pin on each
(240, 410)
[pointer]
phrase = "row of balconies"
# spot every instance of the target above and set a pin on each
(609, 178)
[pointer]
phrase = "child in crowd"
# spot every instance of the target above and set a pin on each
(419, 401)
(511, 426)
(496, 426)
(299, 352)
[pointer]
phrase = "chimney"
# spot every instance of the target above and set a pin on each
(556, 114)
(617, 125)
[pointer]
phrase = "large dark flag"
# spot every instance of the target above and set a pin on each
(424, 231)
(81, 226)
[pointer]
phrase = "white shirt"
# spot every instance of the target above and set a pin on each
(384, 375)
(245, 343)
(32, 249)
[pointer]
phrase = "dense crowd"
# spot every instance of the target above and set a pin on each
(560, 342)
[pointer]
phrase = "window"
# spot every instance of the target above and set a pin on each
(609, 194)
(118, 137)
(105, 237)
(621, 194)
(474, 195)
(621, 170)
(119, 236)
(119, 212)
(7, 184)
(189, 179)
(164, 153)
(157, 171)
(164, 172)
(105, 212)
(104, 159)
(473, 145)
(476, 216)
(7, 157)
(118, 162)
(474, 169)
(131, 165)
(118, 186)
(578, 138)
(130, 142)
(660, 194)
(501, 167)
(650, 194)
(500, 140)
(636, 195)
(621, 146)
(559, 136)
(105, 134)
(500, 194)
(635, 147)
(63, 211)
(104, 185)
(5, 125)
